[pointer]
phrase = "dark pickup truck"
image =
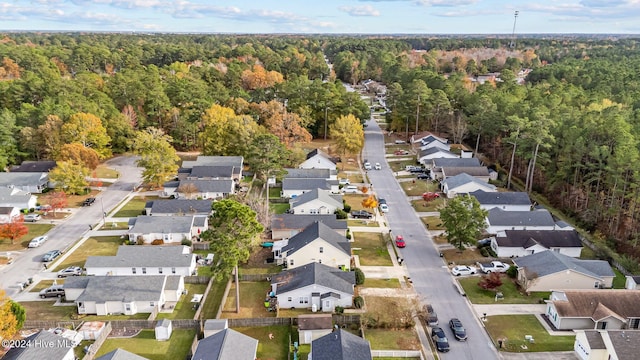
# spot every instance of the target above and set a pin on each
(361, 214)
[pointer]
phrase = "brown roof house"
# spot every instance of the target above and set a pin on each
(313, 326)
(594, 309)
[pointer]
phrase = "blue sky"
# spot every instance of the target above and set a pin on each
(325, 16)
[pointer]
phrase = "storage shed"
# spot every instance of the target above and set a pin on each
(163, 330)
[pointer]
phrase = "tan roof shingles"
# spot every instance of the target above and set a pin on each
(592, 303)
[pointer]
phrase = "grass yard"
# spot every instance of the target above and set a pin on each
(401, 165)
(418, 187)
(214, 300)
(392, 339)
(184, 308)
(293, 313)
(45, 284)
(269, 349)
(440, 239)
(44, 310)
(354, 177)
(618, 281)
(272, 269)
(104, 172)
(99, 246)
(22, 242)
(145, 345)
(355, 201)
(381, 283)
(134, 206)
(428, 206)
(279, 208)
(509, 289)
(115, 226)
(432, 222)
(362, 222)
(511, 329)
(274, 192)
(465, 257)
(252, 295)
(372, 249)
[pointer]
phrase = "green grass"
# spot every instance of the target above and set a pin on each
(432, 222)
(401, 165)
(99, 245)
(276, 348)
(104, 172)
(381, 283)
(45, 284)
(274, 192)
(115, 226)
(511, 293)
(214, 299)
(184, 308)
(44, 310)
(620, 280)
(279, 208)
(418, 187)
(273, 269)
(424, 206)
(134, 207)
(145, 345)
(252, 295)
(22, 242)
(513, 328)
(372, 249)
(362, 222)
(392, 339)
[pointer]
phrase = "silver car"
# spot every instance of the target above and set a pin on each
(35, 242)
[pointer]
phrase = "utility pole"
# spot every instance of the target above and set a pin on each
(513, 32)
(326, 108)
(513, 157)
(417, 114)
(407, 129)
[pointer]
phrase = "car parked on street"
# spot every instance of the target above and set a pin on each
(458, 330)
(378, 166)
(400, 241)
(52, 291)
(431, 317)
(51, 255)
(344, 181)
(88, 201)
(35, 242)
(32, 217)
(361, 214)
(440, 339)
(464, 270)
(382, 204)
(367, 165)
(70, 271)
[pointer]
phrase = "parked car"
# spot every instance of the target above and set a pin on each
(350, 189)
(32, 217)
(424, 176)
(378, 166)
(344, 181)
(367, 165)
(70, 271)
(400, 241)
(401, 152)
(361, 214)
(88, 201)
(458, 330)
(51, 255)
(494, 266)
(400, 142)
(484, 242)
(430, 195)
(431, 317)
(440, 339)
(35, 242)
(52, 291)
(384, 208)
(416, 169)
(464, 270)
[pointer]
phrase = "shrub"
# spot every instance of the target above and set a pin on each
(339, 310)
(140, 240)
(358, 302)
(341, 214)
(512, 272)
(484, 252)
(157, 242)
(186, 242)
(359, 276)
(346, 207)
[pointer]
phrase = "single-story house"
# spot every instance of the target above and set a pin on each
(313, 326)
(144, 260)
(464, 184)
(169, 229)
(9, 214)
(31, 182)
(514, 243)
(175, 207)
(12, 197)
(314, 286)
(318, 159)
(436, 164)
(293, 187)
(433, 143)
(34, 166)
(199, 189)
(507, 201)
(550, 270)
(41, 345)
(226, 344)
(340, 345)
(478, 172)
(500, 220)
(128, 295)
(236, 162)
(425, 156)
(316, 243)
(316, 202)
(120, 354)
(211, 172)
(632, 282)
(606, 344)
(426, 136)
(594, 309)
(285, 226)
(311, 174)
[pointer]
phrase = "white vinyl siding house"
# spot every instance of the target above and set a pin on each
(516, 243)
(171, 229)
(316, 243)
(11, 197)
(500, 221)
(464, 184)
(507, 201)
(316, 202)
(144, 260)
(9, 214)
(31, 182)
(317, 159)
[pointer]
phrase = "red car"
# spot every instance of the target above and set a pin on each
(400, 241)
(401, 152)
(428, 196)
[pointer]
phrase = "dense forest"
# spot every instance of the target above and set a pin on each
(566, 108)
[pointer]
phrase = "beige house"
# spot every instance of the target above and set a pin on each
(317, 243)
(606, 345)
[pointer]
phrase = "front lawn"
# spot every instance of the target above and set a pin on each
(97, 245)
(428, 206)
(355, 201)
(371, 248)
(104, 172)
(511, 329)
(44, 310)
(465, 257)
(146, 345)
(418, 187)
(362, 222)
(274, 347)
(22, 242)
(134, 207)
(432, 223)
(252, 295)
(392, 339)
(509, 290)
(114, 226)
(184, 308)
(381, 283)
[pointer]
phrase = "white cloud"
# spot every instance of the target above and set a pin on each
(366, 10)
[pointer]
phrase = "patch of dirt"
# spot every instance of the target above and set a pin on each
(259, 257)
(124, 333)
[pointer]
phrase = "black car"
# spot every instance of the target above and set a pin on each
(458, 330)
(423, 176)
(88, 201)
(416, 170)
(440, 339)
(361, 214)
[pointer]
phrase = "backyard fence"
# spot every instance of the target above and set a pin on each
(197, 279)
(98, 343)
(255, 277)
(255, 322)
(597, 249)
(397, 353)
(51, 324)
(200, 245)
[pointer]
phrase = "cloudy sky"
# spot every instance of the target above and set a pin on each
(325, 16)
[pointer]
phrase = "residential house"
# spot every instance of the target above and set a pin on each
(9, 214)
(594, 309)
(507, 201)
(464, 184)
(434, 143)
(34, 166)
(235, 162)
(292, 187)
(128, 295)
(169, 229)
(311, 174)
(226, 344)
(437, 164)
(606, 344)
(41, 345)
(314, 286)
(209, 172)
(313, 326)
(500, 220)
(318, 159)
(426, 136)
(199, 189)
(317, 243)
(120, 354)
(340, 345)
(632, 282)
(316, 202)
(285, 226)
(479, 172)
(514, 243)
(12, 197)
(144, 260)
(550, 270)
(31, 182)
(178, 207)
(425, 156)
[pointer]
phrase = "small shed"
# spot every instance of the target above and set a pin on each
(163, 330)
(91, 330)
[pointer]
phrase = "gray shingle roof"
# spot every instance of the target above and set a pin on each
(123, 288)
(143, 256)
(22, 178)
(594, 338)
(76, 282)
(18, 196)
(227, 344)
(224, 186)
(551, 262)
(316, 231)
(173, 282)
(546, 238)
(470, 170)
(304, 184)
(498, 217)
(307, 173)
(462, 179)
(236, 161)
(625, 343)
(60, 347)
(501, 198)
(322, 195)
(162, 224)
(434, 150)
(340, 345)
(315, 152)
(463, 162)
(120, 354)
(299, 222)
(184, 206)
(211, 171)
(34, 166)
(315, 273)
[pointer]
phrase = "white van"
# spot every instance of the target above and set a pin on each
(350, 189)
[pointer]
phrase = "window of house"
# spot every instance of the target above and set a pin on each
(289, 299)
(173, 270)
(133, 271)
(159, 270)
(144, 270)
(321, 249)
(304, 299)
(602, 325)
(152, 303)
(80, 304)
(291, 262)
(127, 307)
(319, 261)
(634, 323)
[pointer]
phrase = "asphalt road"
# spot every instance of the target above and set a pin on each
(428, 272)
(27, 262)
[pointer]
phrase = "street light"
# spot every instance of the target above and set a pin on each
(104, 214)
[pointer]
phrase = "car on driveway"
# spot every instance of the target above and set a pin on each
(35, 242)
(344, 181)
(361, 214)
(464, 270)
(400, 241)
(430, 195)
(52, 291)
(70, 271)
(423, 176)
(88, 201)
(32, 217)
(440, 339)
(458, 330)
(51, 255)
(401, 152)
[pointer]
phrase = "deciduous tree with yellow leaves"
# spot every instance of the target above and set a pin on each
(348, 135)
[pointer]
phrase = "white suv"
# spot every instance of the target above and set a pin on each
(367, 166)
